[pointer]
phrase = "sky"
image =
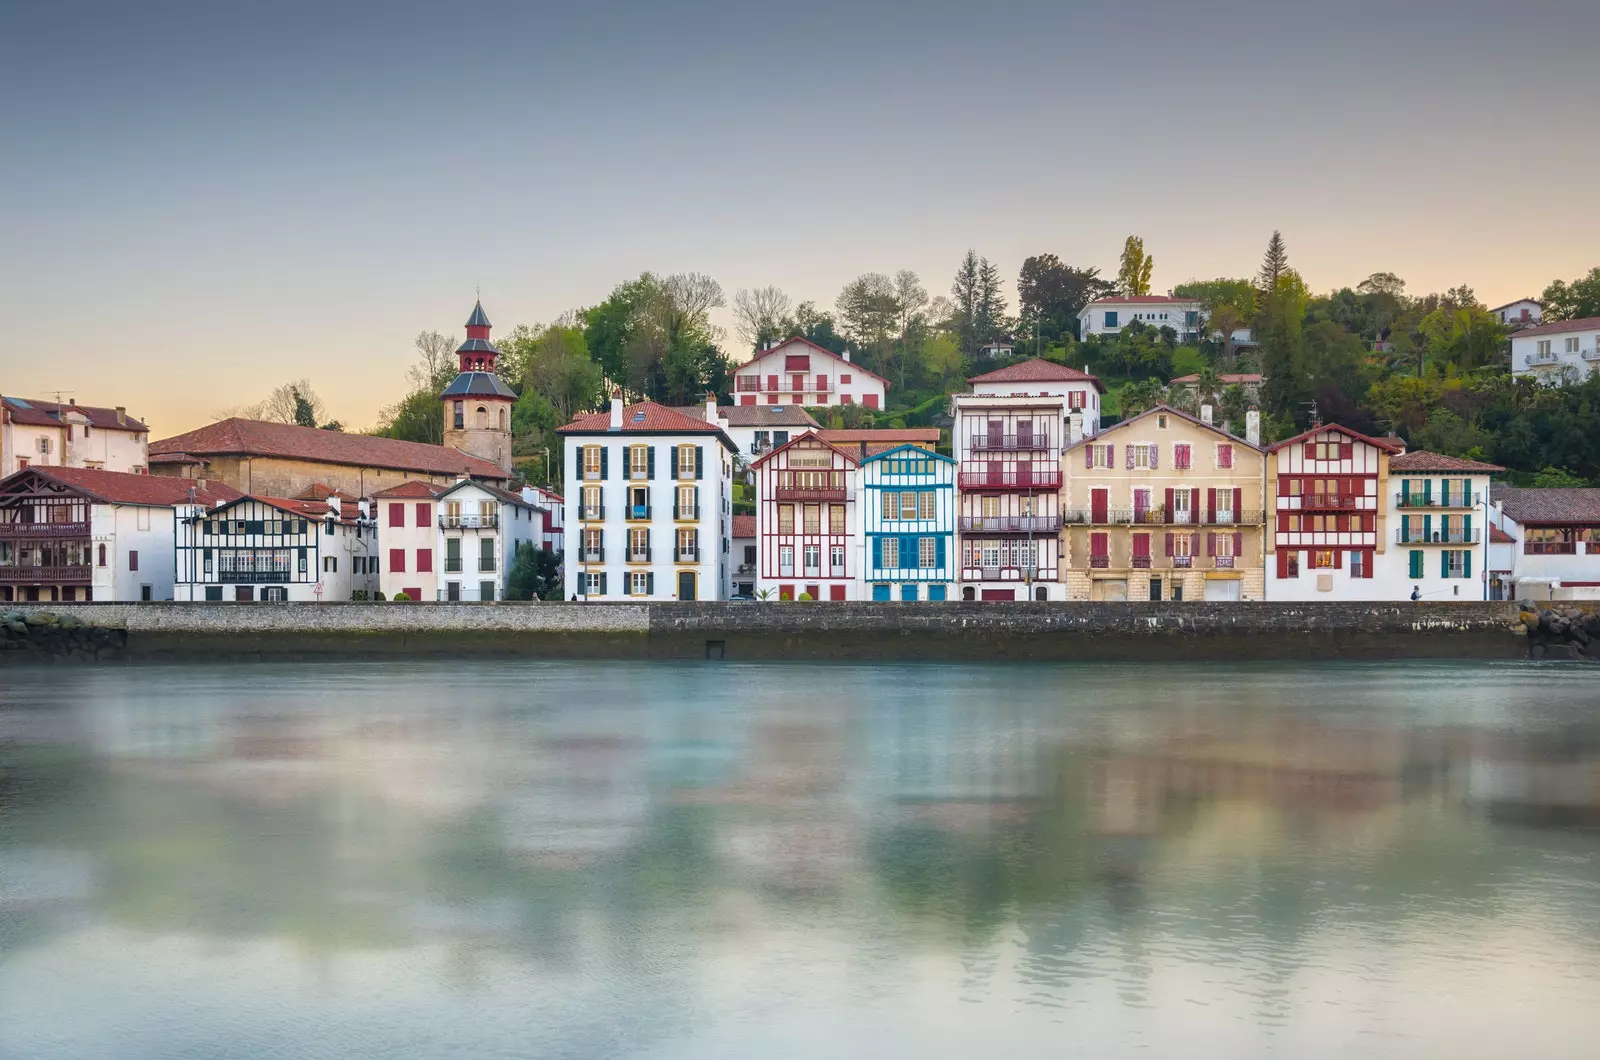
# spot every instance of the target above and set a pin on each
(200, 201)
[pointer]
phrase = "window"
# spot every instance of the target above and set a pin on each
(639, 583)
(102, 556)
(486, 554)
(926, 501)
(1543, 347)
(785, 518)
(1223, 511)
(786, 559)
(813, 517)
(813, 556)
(1291, 564)
(424, 561)
(594, 583)
(592, 508)
(213, 593)
(452, 552)
(1139, 456)
(638, 461)
(891, 505)
(927, 552)
(593, 455)
(133, 560)
(397, 561)
(424, 515)
(330, 564)
(688, 464)
(1360, 564)
(835, 518)
(1182, 545)
(836, 559)
(459, 418)
(1182, 455)
(1545, 541)
(688, 546)
(1100, 454)
(302, 553)
(844, 378)
(1572, 344)
(397, 515)
(908, 505)
(1111, 318)
(749, 383)
(1225, 456)
(1075, 400)
(889, 551)
(1324, 559)
(142, 519)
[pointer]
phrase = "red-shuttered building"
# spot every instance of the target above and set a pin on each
(808, 531)
(799, 372)
(1327, 488)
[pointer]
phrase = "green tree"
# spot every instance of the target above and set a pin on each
(1051, 294)
(1575, 300)
(1280, 314)
(1382, 283)
(1273, 264)
(1557, 478)
(1464, 337)
(818, 326)
(964, 298)
(1133, 275)
(869, 312)
(1140, 396)
(1213, 295)
(535, 574)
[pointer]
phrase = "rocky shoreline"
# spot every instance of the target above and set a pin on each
(52, 634)
(1562, 633)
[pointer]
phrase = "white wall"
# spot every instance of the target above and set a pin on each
(110, 450)
(862, 388)
(1580, 363)
(713, 525)
(1538, 576)
(1092, 318)
(128, 528)
(514, 524)
(22, 443)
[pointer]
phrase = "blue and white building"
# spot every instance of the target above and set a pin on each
(908, 505)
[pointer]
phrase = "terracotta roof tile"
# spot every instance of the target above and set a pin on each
(1036, 370)
(1337, 428)
(48, 413)
(1422, 460)
(1142, 299)
(644, 416)
(410, 491)
(744, 526)
(842, 366)
(260, 438)
(1559, 327)
(1531, 505)
(1498, 536)
(756, 415)
(117, 487)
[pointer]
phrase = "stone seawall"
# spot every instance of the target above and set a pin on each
(972, 631)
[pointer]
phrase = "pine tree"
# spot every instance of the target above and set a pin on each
(1273, 264)
(965, 293)
(991, 304)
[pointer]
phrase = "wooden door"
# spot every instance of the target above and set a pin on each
(686, 585)
(1099, 505)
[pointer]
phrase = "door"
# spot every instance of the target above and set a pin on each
(999, 594)
(880, 592)
(908, 591)
(452, 590)
(244, 594)
(686, 585)
(835, 592)
(1111, 590)
(1223, 590)
(997, 434)
(1099, 505)
(486, 591)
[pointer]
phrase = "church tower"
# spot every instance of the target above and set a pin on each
(477, 405)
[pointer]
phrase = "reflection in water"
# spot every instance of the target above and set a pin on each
(600, 860)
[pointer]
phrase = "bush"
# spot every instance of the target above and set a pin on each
(805, 597)
(402, 597)
(377, 595)
(358, 594)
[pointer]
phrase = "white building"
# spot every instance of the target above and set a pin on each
(84, 534)
(551, 507)
(649, 493)
(408, 540)
(742, 566)
(808, 528)
(34, 433)
(1554, 547)
(799, 372)
(480, 527)
(276, 550)
(1562, 349)
(759, 429)
(1108, 316)
(1438, 511)
(1523, 313)
(1328, 534)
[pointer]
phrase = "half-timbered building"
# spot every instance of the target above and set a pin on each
(276, 550)
(807, 526)
(908, 517)
(1327, 488)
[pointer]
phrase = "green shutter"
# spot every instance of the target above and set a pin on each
(1427, 528)
(650, 472)
(605, 454)
(1444, 563)
(1405, 491)
(1416, 563)
(699, 461)
(1427, 491)
(1466, 529)
(1466, 492)
(627, 461)
(1466, 564)
(650, 578)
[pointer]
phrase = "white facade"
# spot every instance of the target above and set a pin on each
(1439, 540)
(34, 434)
(798, 372)
(1327, 536)
(137, 563)
(479, 530)
(1108, 316)
(648, 505)
(550, 508)
(1569, 349)
(1059, 399)
(808, 524)
(743, 558)
(1523, 313)
(1548, 559)
(273, 550)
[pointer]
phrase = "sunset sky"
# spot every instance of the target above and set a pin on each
(199, 203)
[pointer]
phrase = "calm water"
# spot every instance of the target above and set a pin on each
(759, 861)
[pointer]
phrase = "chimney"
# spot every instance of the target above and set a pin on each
(1075, 428)
(616, 409)
(333, 505)
(72, 401)
(1252, 426)
(846, 355)
(122, 415)
(711, 408)
(1205, 413)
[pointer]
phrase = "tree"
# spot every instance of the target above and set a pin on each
(535, 574)
(305, 414)
(964, 296)
(761, 316)
(418, 417)
(1384, 283)
(1133, 276)
(1214, 294)
(293, 402)
(1052, 294)
(1580, 298)
(990, 309)
(654, 335)
(1558, 478)
(1140, 396)
(1273, 265)
(869, 312)
(1277, 326)
(1463, 337)
(817, 326)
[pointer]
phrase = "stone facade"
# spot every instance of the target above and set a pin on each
(273, 476)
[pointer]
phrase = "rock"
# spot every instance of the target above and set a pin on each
(40, 618)
(17, 627)
(1536, 651)
(70, 621)
(1578, 633)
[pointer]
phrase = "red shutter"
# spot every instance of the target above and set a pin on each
(1283, 522)
(1238, 504)
(1238, 544)
(397, 515)
(1211, 544)
(1347, 451)
(1169, 508)
(1141, 545)
(1211, 504)
(1338, 559)
(1111, 454)
(1366, 564)
(1283, 563)
(1088, 455)
(1310, 451)
(1283, 486)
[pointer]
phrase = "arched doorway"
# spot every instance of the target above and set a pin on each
(968, 593)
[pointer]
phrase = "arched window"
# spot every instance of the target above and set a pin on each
(502, 419)
(1040, 593)
(102, 556)
(967, 593)
(483, 417)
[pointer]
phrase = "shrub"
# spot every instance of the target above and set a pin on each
(804, 597)
(402, 596)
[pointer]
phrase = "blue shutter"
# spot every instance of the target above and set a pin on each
(939, 552)
(577, 474)
(602, 583)
(674, 451)
(650, 578)
(935, 592)
(650, 470)
(627, 461)
(877, 553)
(880, 592)
(699, 461)
(908, 552)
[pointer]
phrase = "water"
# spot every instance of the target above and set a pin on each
(576, 860)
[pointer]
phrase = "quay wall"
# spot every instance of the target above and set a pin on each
(1015, 631)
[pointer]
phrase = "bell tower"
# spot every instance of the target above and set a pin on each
(477, 404)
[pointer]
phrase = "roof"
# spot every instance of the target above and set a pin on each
(1422, 460)
(241, 437)
(305, 509)
(478, 346)
(1142, 299)
(175, 458)
(744, 526)
(1517, 301)
(118, 487)
(478, 319)
(1558, 327)
(494, 491)
(820, 349)
(1532, 505)
(1226, 378)
(1170, 411)
(842, 450)
(1036, 370)
(48, 414)
(758, 415)
(1388, 447)
(645, 417)
(1498, 536)
(872, 441)
(410, 491)
(478, 384)
(881, 453)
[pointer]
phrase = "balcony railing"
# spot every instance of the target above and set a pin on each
(13, 531)
(826, 493)
(1010, 524)
(590, 512)
(637, 511)
(1542, 358)
(1222, 562)
(1457, 499)
(639, 555)
(1141, 562)
(993, 443)
(592, 555)
(747, 568)
(1591, 355)
(1183, 562)
(1004, 574)
(452, 564)
(253, 577)
(1328, 500)
(468, 522)
(1159, 516)
(688, 555)
(1404, 536)
(1101, 562)
(1039, 478)
(687, 513)
(46, 575)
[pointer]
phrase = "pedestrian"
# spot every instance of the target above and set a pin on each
(1416, 593)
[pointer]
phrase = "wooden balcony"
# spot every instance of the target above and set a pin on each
(78, 575)
(1008, 574)
(825, 493)
(35, 531)
(1039, 478)
(1009, 443)
(1158, 516)
(1329, 501)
